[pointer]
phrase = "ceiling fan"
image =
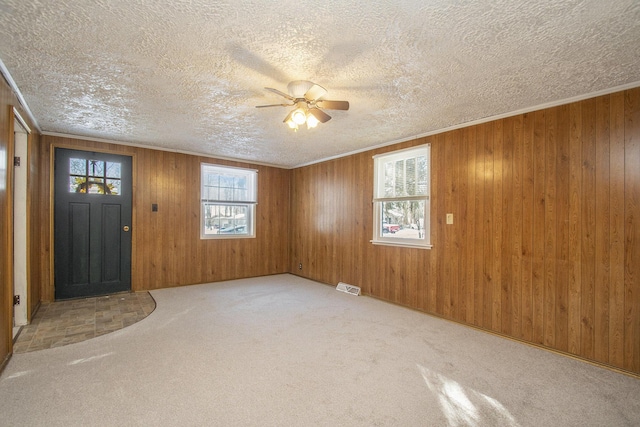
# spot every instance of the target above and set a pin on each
(306, 97)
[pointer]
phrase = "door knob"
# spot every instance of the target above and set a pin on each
(125, 228)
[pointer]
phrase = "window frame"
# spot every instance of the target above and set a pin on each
(381, 238)
(251, 175)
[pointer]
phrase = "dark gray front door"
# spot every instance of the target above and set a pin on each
(92, 223)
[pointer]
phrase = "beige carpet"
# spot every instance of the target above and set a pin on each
(284, 351)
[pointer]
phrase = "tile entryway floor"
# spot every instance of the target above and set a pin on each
(66, 322)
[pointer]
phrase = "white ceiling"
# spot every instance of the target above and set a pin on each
(186, 74)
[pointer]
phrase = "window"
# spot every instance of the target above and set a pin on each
(401, 198)
(228, 196)
(94, 177)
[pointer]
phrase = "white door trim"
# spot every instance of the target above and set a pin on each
(20, 286)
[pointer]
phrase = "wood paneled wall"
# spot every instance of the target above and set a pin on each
(167, 249)
(545, 245)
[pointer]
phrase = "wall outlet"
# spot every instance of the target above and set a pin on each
(449, 218)
(300, 266)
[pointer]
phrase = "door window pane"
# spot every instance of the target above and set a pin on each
(78, 166)
(77, 184)
(96, 168)
(113, 170)
(94, 177)
(113, 186)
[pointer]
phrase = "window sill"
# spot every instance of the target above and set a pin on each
(401, 245)
(226, 236)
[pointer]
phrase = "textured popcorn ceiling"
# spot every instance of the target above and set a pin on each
(186, 74)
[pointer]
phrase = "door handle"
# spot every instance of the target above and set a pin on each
(125, 228)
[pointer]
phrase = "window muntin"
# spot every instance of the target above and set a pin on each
(401, 198)
(228, 197)
(94, 177)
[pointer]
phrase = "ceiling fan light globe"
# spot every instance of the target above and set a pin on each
(292, 124)
(312, 121)
(299, 117)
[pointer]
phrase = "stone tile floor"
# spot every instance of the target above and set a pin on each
(66, 322)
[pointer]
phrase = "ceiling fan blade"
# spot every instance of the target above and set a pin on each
(276, 91)
(333, 105)
(315, 92)
(275, 105)
(286, 119)
(320, 115)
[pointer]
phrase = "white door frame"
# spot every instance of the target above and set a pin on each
(20, 283)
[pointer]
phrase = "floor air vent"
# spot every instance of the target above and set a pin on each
(343, 287)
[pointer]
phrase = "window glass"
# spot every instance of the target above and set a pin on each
(94, 177)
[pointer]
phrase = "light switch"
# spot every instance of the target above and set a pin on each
(449, 218)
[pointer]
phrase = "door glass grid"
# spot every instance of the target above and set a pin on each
(94, 177)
